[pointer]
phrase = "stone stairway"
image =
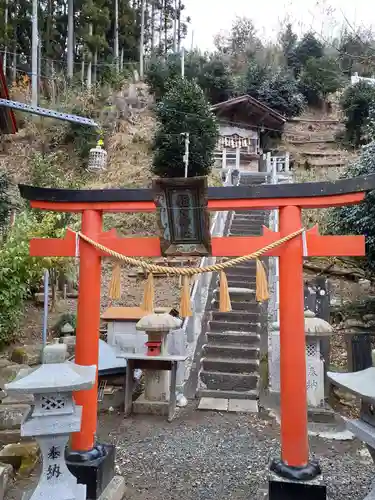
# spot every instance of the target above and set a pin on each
(230, 362)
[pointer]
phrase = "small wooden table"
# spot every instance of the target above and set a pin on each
(144, 362)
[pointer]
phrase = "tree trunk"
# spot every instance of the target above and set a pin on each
(152, 27)
(95, 72)
(116, 43)
(70, 39)
(83, 69)
(6, 13)
(165, 27)
(161, 30)
(14, 62)
(179, 27)
(175, 26)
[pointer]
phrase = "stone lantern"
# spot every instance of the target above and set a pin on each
(51, 420)
(157, 328)
(316, 329)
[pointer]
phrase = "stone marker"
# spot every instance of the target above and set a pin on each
(316, 329)
(55, 353)
(6, 470)
(53, 418)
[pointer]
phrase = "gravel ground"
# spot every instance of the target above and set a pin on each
(215, 456)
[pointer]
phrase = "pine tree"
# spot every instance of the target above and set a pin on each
(184, 109)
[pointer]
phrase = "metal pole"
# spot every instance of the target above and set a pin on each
(45, 315)
(34, 55)
(182, 63)
(186, 155)
(142, 41)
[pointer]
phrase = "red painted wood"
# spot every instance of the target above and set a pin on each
(293, 397)
(243, 204)
(231, 246)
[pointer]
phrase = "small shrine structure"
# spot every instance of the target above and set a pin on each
(244, 123)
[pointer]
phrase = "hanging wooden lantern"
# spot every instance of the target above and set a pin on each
(97, 158)
(183, 217)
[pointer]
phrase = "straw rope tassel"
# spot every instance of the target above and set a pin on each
(115, 284)
(225, 304)
(149, 294)
(261, 282)
(185, 307)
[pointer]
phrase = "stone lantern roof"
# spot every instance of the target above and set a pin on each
(316, 327)
(54, 377)
(158, 323)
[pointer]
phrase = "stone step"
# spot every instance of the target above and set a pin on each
(245, 295)
(251, 307)
(230, 337)
(240, 270)
(230, 381)
(231, 351)
(256, 218)
(230, 365)
(220, 394)
(246, 226)
(240, 282)
(246, 232)
(251, 213)
(236, 317)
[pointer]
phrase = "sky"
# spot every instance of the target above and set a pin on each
(212, 16)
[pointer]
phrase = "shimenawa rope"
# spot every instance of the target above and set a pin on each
(189, 271)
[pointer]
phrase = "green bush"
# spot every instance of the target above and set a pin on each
(184, 109)
(355, 103)
(5, 203)
(359, 219)
(210, 72)
(280, 92)
(319, 78)
(20, 274)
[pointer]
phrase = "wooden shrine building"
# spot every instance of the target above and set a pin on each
(244, 124)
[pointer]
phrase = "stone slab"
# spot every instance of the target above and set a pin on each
(243, 406)
(6, 470)
(28, 354)
(11, 415)
(114, 491)
(285, 489)
(360, 383)
(143, 406)
(217, 404)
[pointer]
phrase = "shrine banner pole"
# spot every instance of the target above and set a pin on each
(88, 323)
(294, 433)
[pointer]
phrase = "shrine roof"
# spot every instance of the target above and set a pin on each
(249, 111)
(127, 313)
(8, 124)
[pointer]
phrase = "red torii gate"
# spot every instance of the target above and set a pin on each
(290, 199)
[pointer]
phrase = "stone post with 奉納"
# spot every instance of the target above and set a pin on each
(52, 418)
